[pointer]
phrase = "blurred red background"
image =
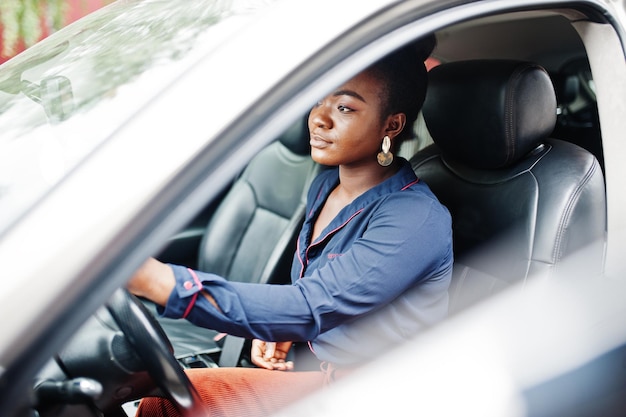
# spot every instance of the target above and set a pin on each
(75, 9)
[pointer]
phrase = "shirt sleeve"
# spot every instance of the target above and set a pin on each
(396, 252)
(264, 311)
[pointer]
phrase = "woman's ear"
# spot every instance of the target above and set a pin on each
(395, 124)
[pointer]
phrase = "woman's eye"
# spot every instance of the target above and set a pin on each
(344, 109)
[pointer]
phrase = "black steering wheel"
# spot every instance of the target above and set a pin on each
(151, 344)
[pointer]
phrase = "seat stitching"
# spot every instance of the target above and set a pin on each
(566, 216)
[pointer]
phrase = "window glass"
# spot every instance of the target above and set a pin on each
(63, 97)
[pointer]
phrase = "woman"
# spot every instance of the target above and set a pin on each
(375, 240)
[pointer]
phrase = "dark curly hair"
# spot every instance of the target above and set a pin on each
(404, 77)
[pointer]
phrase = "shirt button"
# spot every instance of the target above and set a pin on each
(188, 285)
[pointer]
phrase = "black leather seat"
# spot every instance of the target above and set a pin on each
(250, 237)
(242, 235)
(521, 203)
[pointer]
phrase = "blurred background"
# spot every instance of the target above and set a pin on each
(24, 22)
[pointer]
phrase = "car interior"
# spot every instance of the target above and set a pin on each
(261, 214)
(497, 164)
(508, 139)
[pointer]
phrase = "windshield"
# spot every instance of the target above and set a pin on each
(63, 97)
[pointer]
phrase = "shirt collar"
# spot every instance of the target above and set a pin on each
(402, 179)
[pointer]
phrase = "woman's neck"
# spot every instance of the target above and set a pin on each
(354, 181)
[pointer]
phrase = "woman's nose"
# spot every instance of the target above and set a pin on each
(318, 117)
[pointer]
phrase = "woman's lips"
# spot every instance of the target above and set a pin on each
(319, 142)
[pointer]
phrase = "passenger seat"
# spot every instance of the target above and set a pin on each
(521, 203)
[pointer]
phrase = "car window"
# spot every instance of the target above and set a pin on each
(63, 97)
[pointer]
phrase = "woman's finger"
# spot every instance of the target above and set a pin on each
(270, 349)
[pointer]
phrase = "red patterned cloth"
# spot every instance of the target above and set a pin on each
(243, 392)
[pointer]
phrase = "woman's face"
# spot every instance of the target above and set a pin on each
(346, 126)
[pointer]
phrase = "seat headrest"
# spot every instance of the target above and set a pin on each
(488, 114)
(296, 137)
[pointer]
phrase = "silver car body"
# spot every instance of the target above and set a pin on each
(175, 136)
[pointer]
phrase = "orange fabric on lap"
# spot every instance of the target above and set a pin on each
(241, 392)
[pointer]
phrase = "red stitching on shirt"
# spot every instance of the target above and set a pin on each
(410, 184)
(322, 238)
(300, 258)
(195, 296)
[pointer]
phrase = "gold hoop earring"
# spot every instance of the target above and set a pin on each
(385, 158)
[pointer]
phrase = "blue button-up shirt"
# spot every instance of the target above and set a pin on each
(378, 274)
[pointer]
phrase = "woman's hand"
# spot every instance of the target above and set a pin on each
(154, 281)
(271, 355)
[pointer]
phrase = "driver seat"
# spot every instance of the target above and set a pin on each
(250, 238)
(521, 203)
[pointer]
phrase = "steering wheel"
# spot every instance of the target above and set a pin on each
(151, 344)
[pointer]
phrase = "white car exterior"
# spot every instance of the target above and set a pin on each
(174, 137)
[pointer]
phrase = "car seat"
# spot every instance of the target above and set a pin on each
(521, 203)
(250, 237)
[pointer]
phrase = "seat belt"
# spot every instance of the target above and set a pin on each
(231, 351)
